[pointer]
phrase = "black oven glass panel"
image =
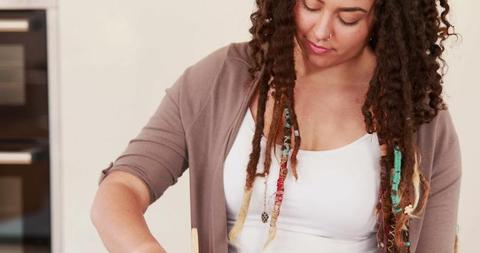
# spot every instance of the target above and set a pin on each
(23, 74)
(12, 75)
(25, 224)
(11, 221)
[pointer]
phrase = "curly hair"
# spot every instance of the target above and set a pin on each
(404, 93)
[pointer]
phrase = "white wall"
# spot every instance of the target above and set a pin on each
(118, 56)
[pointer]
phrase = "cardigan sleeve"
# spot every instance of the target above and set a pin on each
(439, 229)
(158, 154)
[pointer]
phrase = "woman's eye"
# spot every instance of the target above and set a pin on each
(349, 19)
(348, 23)
(310, 8)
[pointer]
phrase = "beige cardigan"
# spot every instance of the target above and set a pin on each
(197, 121)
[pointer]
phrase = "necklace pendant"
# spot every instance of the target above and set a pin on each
(264, 217)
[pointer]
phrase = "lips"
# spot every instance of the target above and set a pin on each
(318, 49)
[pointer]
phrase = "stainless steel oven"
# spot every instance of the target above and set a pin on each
(25, 213)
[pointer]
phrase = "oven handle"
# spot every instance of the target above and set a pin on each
(18, 157)
(14, 25)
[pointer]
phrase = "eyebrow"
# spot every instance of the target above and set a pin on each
(348, 9)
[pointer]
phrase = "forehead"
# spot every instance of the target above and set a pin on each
(364, 4)
(345, 6)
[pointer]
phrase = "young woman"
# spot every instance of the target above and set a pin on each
(348, 95)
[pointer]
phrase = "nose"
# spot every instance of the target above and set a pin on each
(323, 27)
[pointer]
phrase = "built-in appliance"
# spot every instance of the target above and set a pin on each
(25, 211)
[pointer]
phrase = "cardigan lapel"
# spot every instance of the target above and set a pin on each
(218, 219)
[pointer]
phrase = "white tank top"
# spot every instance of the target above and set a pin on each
(331, 208)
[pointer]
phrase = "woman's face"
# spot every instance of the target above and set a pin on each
(341, 26)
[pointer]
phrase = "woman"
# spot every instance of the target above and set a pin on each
(331, 83)
(350, 86)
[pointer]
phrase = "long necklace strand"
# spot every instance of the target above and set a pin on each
(282, 173)
(283, 170)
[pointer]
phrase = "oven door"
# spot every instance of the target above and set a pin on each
(24, 198)
(23, 74)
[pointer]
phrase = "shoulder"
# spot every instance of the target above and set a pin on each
(216, 74)
(212, 63)
(240, 51)
(209, 67)
(441, 129)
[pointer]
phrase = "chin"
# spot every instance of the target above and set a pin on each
(320, 62)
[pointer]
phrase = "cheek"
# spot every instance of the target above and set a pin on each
(351, 37)
(300, 23)
(305, 25)
(304, 20)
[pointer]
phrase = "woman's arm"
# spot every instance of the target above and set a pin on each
(153, 160)
(117, 214)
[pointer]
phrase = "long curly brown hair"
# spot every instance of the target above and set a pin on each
(404, 93)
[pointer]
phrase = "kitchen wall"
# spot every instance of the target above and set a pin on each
(116, 59)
